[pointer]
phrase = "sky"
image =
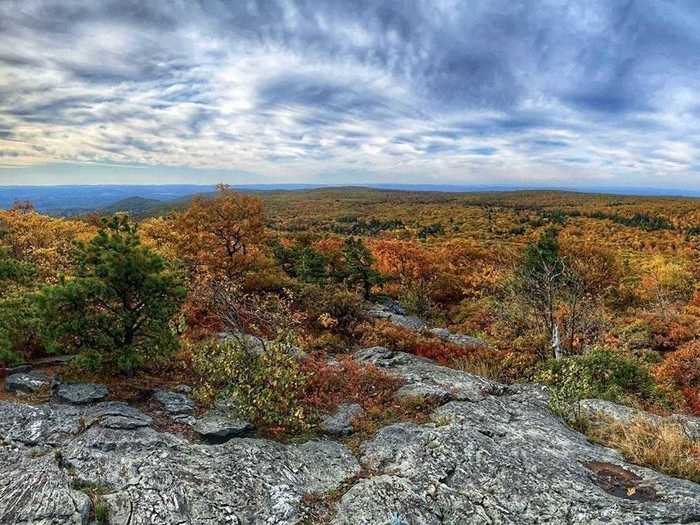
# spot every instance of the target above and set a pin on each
(546, 92)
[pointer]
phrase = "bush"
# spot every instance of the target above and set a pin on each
(682, 367)
(19, 329)
(681, 370)
(331, 383)
(601, 374)
(267, 386)
(328, 308)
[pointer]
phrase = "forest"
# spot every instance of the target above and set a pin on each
(262, 297)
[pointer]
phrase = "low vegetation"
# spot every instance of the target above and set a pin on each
(664, 447)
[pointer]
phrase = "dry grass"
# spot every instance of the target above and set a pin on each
(479, 366)
(664, 447)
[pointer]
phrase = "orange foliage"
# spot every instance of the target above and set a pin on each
(219, 237)
(405, 261)
(346, 380)
(44, 241)
(384, 333)
(681, 369)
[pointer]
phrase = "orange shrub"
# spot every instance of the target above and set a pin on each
(383, 333)
(345, 380)
(681, 369)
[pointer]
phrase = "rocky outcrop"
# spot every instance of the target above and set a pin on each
(27, 382)
(598, 410)
(81, 393)
(490, 454)
(217, 427)
(506, 459)
(150, 477)
(465, 341)
(396, 315)
(423, 378)
(176, 404)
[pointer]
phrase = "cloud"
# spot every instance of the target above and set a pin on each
(338, 91)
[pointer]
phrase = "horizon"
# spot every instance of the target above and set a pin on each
(591, 94)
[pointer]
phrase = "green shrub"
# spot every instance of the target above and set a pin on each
(601, 374)
(344, 307)
(267, 386)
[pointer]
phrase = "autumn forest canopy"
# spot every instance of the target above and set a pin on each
(263, 298)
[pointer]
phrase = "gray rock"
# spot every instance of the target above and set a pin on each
(35, 489)
(218, 428)
(506, 459)
(45, 425)
(599, 410)
(18, 369)
(81, 393)
(174, 403)
(410, 322)
(464, 341)
(183, 389)
(340, 422)
(500, 456)
(116, 415)
(424, 378)
(149, 477)
(26, 382)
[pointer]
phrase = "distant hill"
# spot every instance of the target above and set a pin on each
(133, 205)
(72, 200)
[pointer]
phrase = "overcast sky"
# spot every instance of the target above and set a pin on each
(437, 91)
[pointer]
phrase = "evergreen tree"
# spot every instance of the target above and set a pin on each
(119, 303)
(359, 261)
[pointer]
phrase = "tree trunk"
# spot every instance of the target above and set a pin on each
(556, 343)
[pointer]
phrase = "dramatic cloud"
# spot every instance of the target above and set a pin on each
(479, 91)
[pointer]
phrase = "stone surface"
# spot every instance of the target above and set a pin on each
(150, 477)
(340, 422)
(218, 428)
(424, 378)
(491, 454)
(174, 403)
(34, 489)
(505, 459)
(26, 382)
(465, 341)
(598, 409)
(117, 415)
(388, 313)
(81, 393)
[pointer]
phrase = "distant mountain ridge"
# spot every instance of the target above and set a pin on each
(145, 199)
(71, 200)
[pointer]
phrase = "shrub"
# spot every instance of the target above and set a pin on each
(681, 370)
(19, 329)
(682, 367)
(267, 386)
(602, 374)
(345, 380)
(120, 302)
(328, 308)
